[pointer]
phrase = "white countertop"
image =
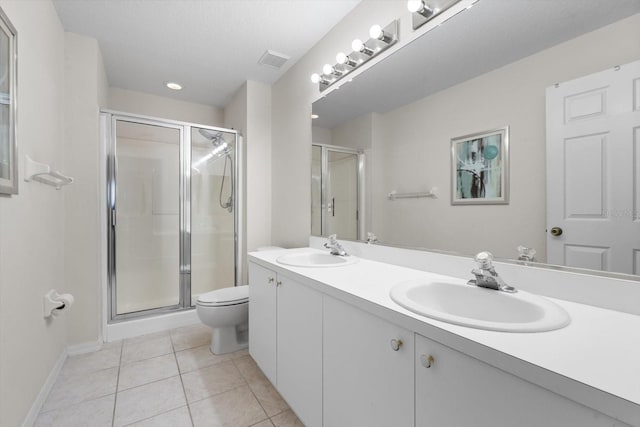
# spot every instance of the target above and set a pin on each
(594, 361)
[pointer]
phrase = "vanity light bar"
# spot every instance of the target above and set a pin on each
(423, 11)
(381, 40)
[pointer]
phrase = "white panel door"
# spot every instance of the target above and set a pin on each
(593, 182)
(299, 358)
(365, 382)
(262, 319)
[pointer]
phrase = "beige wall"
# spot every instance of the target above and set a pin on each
(321, 135)
(356, 134)
(130, 101)
(85, 91)
(32, 223)
(249, 112)
(258, 153)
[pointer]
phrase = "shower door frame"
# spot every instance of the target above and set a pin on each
(108, 120)
(324, 188)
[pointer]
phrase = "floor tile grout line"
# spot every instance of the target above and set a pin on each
(184, 391)
(115, 397)
(156, 415)
(218, 394)
(252, 392)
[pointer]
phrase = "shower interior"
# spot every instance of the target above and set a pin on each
(174, 207)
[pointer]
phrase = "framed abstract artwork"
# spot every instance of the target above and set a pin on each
(480, 168)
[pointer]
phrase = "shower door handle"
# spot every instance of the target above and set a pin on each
(333, 206)
(113, 217)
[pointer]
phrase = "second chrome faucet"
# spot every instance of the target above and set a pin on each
(335, 247)
(486, 275)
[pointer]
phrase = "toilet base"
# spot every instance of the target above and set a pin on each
(229, 339)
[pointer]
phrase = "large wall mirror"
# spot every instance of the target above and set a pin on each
(503, 64)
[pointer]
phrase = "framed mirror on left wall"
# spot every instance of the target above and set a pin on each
(8, 76)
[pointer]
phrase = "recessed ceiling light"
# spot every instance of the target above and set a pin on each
(173, 85)
(314, 116)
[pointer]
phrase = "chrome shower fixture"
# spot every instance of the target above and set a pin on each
(214, 137)
(381, 39)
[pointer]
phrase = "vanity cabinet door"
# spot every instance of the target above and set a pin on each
(262, 319)
(300, 350)
(458, 390)
(368, 369)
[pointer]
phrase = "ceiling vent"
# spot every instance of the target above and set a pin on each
(273, 59)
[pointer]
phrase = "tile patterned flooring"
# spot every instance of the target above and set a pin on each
(164, 379)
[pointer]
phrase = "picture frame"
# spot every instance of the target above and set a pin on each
(480, 168)
(8, 112)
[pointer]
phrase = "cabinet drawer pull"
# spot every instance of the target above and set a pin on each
(279, 283)
(426, 361)
(396, 344)
(271, 279)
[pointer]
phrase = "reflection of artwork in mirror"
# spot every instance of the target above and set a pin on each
(8, 147)
(479, 168)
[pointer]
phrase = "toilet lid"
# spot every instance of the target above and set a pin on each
(225, 296)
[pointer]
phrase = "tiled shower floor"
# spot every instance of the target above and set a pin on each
(164, 379)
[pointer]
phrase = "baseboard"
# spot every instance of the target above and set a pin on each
(87, 347)
(30, 419)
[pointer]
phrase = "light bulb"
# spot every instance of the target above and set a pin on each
(375, 31)
(357, 45)
(173, 85)
(328, 69)
(341, 58)
(315, 78)
(415, 5)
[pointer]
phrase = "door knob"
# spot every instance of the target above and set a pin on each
(556, 231)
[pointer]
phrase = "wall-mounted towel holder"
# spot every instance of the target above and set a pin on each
(432, 194)
(36, 171)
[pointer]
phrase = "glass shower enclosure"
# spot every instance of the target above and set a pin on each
(337, 180)
(173, 209)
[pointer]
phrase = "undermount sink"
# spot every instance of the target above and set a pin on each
(480, 308)
(315, 259)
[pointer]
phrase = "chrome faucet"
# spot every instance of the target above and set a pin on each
(486, 276)
(335, 246)
(371, 238)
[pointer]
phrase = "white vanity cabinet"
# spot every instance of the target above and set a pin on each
(368, 369)
(262, 318)
(285, 339)
(458, 390)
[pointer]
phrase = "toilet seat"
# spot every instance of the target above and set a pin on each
(226, 296)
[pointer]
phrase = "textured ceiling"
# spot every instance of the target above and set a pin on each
(491, 34)
(210, 46)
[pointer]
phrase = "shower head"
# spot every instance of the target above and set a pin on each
(215, 137)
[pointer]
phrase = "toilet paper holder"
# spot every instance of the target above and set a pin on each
(54, 303)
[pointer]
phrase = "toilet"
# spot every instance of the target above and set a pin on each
(226, 311)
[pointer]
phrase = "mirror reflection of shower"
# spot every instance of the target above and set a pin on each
(221, 149)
